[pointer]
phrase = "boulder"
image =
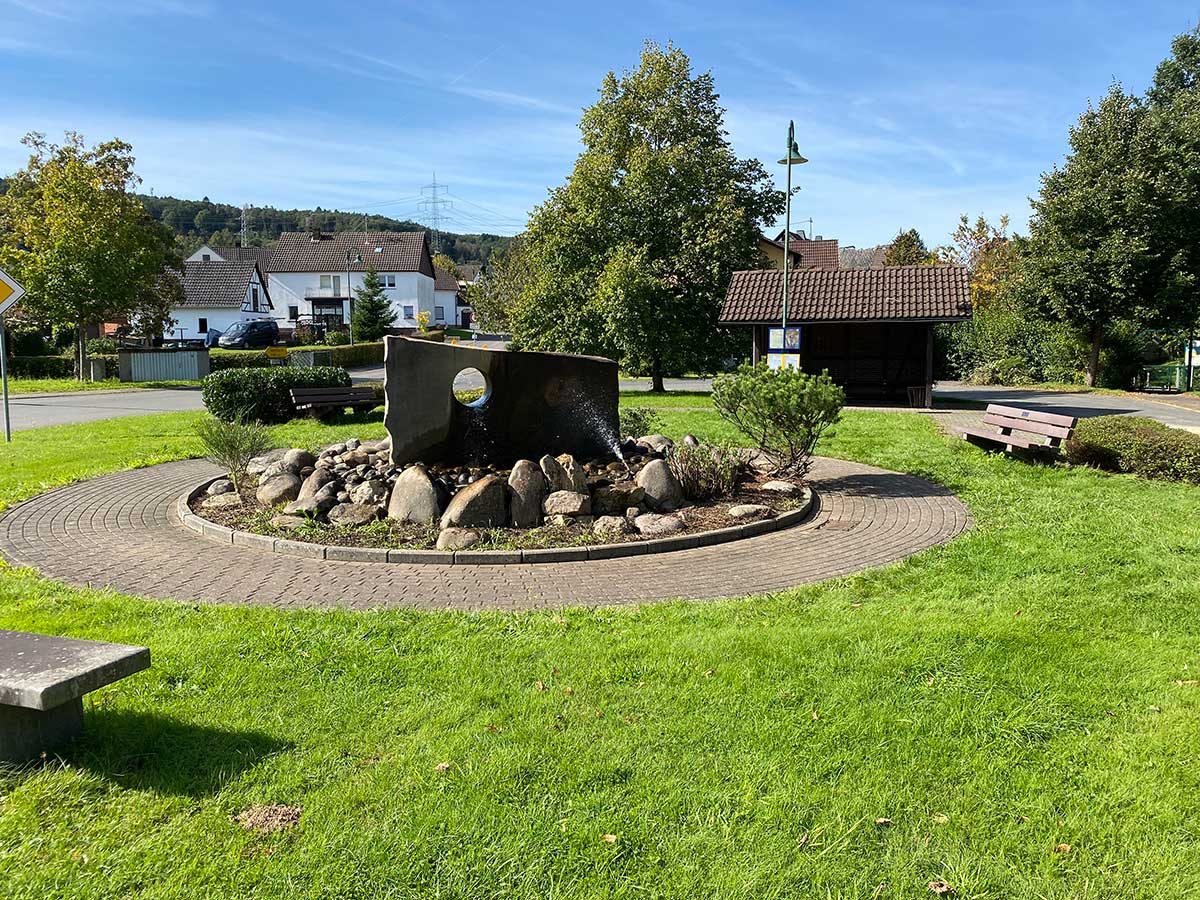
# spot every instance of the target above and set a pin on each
(258, 464)
(560, 521)
(289, 523)
(221, 501)
(298, 458)
(555, 475)
(614, 499)
(749, 511)
(373, 492)
(663, 491)
(567, 503)
(314, 482)
(280, 489)
(655, 525)
(659, 443)
(780, 487)
(354, 458)
(457, 538)
(612, 525)
(220, 486)
(576, 476)
(353, 514)
(526, 487)
(690, 440)
(482, 504)
(414, 497)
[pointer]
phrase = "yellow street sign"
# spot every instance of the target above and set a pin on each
(10, 292)
(277, 353)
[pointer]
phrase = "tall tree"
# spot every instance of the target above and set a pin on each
(631, 257)
(77, 237)
(446, 264)
(373, 313)
(985, 249)
(907, 249)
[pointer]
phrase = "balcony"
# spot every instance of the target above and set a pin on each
(320, 293)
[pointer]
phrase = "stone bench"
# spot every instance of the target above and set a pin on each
(42, 683)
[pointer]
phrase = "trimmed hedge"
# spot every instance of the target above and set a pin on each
(370, 354)
(263, 394)
(345, 356)
(221, 360)
(1136, 445)
(54, 366)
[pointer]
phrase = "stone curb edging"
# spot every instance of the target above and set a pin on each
(222, 535)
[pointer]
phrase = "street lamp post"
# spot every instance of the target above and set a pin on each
(350, 293)
(793, 158)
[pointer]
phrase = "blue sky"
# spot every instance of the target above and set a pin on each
(911, 113)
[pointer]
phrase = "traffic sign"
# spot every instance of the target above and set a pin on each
(10, 292)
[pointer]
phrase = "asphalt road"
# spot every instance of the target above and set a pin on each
(39, 410)
(1079, 405)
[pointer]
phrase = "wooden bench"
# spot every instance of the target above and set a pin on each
(1021, 432)
(321, 400)
(42, 683)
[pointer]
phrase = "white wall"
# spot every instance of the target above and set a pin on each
(412, 289)
(448, 300)
(189, 321)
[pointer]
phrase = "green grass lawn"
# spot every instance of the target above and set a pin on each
(60, 385)
(1021, 706)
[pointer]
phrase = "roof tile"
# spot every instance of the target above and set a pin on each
(387, 251)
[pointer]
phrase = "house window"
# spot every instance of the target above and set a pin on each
(388, 280)
(439, 313)
(408, 312)
(293, 313)
(254, 298)
(202, 325)
(207, 257)
(327, 282)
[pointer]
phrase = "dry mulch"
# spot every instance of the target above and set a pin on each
(269, 818)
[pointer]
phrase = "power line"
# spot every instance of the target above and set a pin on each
(433, 201)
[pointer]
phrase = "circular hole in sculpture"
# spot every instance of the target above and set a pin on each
(471, 388)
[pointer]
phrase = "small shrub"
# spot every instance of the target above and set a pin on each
(262, 395)
(220, 360)
(706, 471)
(232, 445)
(41, 367)
(783, 411)
(368, 354)
(98, 346)
(304, 336)
(1136, 445)
(337, 338)
(639, 421)
(27, 342)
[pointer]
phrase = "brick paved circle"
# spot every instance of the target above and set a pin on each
(122, 531)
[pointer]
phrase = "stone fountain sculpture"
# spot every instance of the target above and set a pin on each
(532, 404)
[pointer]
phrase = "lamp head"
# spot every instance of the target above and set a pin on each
(793, 157)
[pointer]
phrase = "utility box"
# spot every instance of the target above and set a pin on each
(163, 365)
(98, 369)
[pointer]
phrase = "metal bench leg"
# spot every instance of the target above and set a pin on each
(26, 733)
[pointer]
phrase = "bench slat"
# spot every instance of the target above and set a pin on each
(332, 392)
(1052, 431)
(976, 435)
(40, 671)
(1032, 415)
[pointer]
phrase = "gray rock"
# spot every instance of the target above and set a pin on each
(457, 538)
(781, 487)
(373, 492)
(275, 469)
(298, 458)
(220, 486)
(577, 478)
(526, 487)
(354, 458)
(633, 512)
(280, 489)
(259, 464)
(482, 504)
(614, 499)
(663, 491)
(749, 511)
(343, 496)
(353, 514)
(221, 501)
(655, 525)
(659, 443)
(690, 440)
(289, 523)
(314, 482)
(555, 475)
(567, 503)
(353, 444)
(560, 521)
(612, 525)
(312, 507)
(414, 497)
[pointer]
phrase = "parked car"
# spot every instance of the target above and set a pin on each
(251, 334)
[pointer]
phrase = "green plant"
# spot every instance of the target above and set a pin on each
(423, 318)
(338, 337)
(784, 411)
(373, 313)
(232, 445)
(263, 395)
(97, 346)
(638, 421)
(705, 471)
(304, 335)
(220, 360)
(1136, 445)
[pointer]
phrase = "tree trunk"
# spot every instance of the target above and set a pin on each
(1094, 358)
(656, 374)
(81, 357)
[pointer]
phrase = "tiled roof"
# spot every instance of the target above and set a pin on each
(821, 253)
(219, 284)
(862, 257)
(388, 251)
(260, 255)
(931, 293)
(444, 281)
(468, 272)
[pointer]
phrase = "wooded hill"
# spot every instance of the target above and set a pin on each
(197, 222)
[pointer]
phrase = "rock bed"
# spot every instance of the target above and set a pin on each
(349, 494)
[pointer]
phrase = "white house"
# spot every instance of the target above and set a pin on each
(217, 294)
(445, 298)
(313, 276)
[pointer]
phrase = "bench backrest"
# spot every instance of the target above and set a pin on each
(1052, 426)
(331, 392)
